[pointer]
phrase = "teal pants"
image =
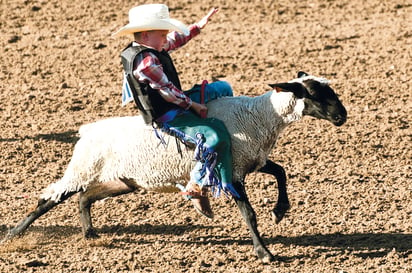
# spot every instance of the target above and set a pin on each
(216, 139)
(215, 136)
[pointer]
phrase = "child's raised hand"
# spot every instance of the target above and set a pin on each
(202, 23)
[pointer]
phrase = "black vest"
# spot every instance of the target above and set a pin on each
(148, 100)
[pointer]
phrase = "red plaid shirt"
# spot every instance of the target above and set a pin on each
(149, 69)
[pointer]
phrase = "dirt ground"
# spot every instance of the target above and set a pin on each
(350, 186)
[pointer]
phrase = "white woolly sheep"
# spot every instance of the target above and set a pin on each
(118, 155)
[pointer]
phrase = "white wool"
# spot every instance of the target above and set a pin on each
(124, 147)
(255, 124)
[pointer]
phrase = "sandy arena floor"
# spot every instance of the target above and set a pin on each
(350, 186)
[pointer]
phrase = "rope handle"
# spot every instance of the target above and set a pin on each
(203, 113)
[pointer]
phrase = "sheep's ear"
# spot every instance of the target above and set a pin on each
(302, 74)
(296, 88)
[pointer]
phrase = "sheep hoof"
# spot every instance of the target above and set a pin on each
(6, 238)
(264, 255)
(91, 234)
(280, 211)
(268, 259)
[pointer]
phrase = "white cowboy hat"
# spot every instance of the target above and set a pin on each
(151, 17)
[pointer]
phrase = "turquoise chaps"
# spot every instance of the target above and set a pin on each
(213, 143)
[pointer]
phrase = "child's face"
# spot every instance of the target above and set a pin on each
(157, 39)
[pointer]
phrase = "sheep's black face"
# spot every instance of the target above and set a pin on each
(322, 102)
(320, 99)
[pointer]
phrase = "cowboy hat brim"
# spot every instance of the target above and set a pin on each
(158, 24)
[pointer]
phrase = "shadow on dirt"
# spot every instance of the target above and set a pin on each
(66, 137)
(52, 231)
(358, 241)
(364, 245)
(60, 232)
(150, 229)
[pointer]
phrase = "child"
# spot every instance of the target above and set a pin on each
(149, 69)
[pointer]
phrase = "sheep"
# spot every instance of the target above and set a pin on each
(110, 158)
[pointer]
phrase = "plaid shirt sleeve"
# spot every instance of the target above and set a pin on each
(176, 39)
(150, 70)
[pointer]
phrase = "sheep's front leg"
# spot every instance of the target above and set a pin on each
(96, 192)
(249, 216)
(282, 205)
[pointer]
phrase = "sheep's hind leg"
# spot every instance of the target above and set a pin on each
(97, 192)
(282, 205)
(249, 216)
(42, 207)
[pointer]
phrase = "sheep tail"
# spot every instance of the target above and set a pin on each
(56, 190)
